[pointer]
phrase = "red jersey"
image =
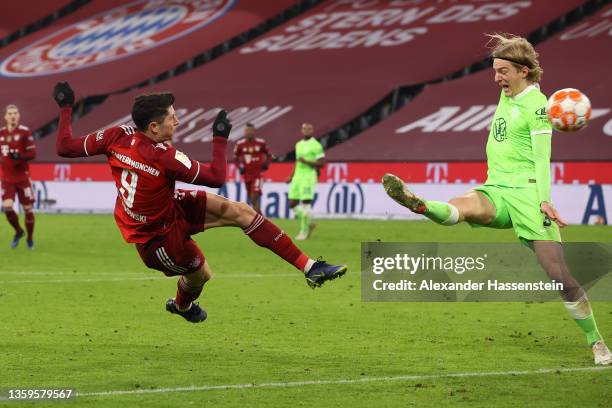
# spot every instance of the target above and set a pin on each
(145, 173)
(20, 142)
(251, 154)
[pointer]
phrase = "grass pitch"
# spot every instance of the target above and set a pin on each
(83, 312)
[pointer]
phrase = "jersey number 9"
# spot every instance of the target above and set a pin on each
(128, 189)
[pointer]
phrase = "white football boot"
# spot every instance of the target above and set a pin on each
(397, 190)
(601, 353)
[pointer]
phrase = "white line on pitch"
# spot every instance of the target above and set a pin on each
(148, 278)
(341, 381)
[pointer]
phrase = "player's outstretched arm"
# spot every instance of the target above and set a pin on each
(65, 145)
(205, 174)
(541, 148)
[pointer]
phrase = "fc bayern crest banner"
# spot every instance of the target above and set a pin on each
(109, 45)
(331, 64)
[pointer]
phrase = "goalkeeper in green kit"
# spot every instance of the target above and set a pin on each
(309, 159)
(517, 191)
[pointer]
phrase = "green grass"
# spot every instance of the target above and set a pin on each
(69, 324)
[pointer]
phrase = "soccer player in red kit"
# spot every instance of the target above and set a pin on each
(16, 149)
(158, 219)
(252, 158)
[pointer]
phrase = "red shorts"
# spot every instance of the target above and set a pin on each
(23, 189)
(175, 253)
(254, 186)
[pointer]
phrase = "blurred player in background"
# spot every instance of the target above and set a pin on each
(309, 159)
(16, 149)
(160, 221)
(517, 191)
(252, 158)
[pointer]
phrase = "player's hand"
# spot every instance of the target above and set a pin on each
(549, 211)
(222, 125)
(14, 155)
(63, 94)
(241, 169)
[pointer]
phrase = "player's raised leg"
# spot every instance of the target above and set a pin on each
(12, 218)
(221, 212)
(473, 206)
(550, 256)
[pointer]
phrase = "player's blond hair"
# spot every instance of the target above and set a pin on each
(11, 106)
(518, 51)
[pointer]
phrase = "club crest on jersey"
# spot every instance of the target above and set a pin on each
(499, 131)
(118, 33)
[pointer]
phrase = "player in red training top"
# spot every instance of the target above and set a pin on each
(16, 148)
(252, 158)
(159, 220)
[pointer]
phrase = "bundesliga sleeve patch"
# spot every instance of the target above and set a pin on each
(182, 157)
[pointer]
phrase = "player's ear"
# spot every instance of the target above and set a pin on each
(153, 127)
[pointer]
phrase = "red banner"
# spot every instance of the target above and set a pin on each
(330, 65)
(450, 121)
(365, 172)
(109, 45)
(22, 13)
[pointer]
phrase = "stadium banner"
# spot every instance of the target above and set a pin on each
(22, 13)
(478, 272)
(451, 120)
(578, 204)
(111, 45)
(329, 65)
(365, 172)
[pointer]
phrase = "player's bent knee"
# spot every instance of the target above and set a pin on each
(7, 204)
(245, 213)
(199, 277)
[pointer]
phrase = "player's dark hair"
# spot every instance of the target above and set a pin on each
(151, 107)
(249, 125)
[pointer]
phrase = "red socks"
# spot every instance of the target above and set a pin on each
(268, 235)
(29, 223)
(186, 294)
(13, 219)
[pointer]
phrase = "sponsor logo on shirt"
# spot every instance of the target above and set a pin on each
(541, 115)
(117, 33)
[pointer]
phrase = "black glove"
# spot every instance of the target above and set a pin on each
(222, 126)
(241, 169)
(265, 166)
(14, 155)
(63, 94)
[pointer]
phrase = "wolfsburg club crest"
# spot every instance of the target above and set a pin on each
(499, 129)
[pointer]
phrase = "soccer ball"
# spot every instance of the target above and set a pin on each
(568, 110)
